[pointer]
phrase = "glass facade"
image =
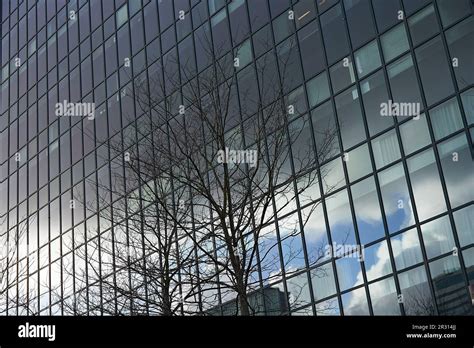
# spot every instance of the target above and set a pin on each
(401, 185)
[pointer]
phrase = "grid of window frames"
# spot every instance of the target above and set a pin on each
(405, 186)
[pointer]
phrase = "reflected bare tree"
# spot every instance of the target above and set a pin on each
(198, 179)
(15, 260)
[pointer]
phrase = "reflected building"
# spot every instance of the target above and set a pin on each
(402, 179)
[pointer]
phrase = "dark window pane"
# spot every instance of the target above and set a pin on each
(423, 25)
(386, 13)
(220, 33)
(334, 32)
(451, 11)
(323, 5)
(258, 11)
(312, 52)
(403, 81)
(374, 93)
(359, 20)
(433, 66)
(413, 5)
(324, 122)
(460, 40)
(305, 11)
(447, 279)
(342, 75)
(350, 117)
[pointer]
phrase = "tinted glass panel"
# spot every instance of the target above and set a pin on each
(334, 32)
(396, 198)
(458, 168)
(426, 185)
(350, 117)
(423, 25)
(359, 19)
(433, 66)
(311, 47)
(460, 39)
(451, 11)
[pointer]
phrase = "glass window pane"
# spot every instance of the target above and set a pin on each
(448, 280)
(367, 59)
(417, 299)
(374, 94)
(438, 237)
(298, 290)
(396, 199)
(433, 66)
(468, 104)
(244, 53)
(323, 5)
(464, 221)
(318, 89)
(324, 124)
(312, 52)
(358, 162)
(412, 5)
(384, 297)
(282, 27)
(394, 42)
(468, 256)
(385, 148)
(415, 134)
(423, 25)
(220, 32)
(342, 74)
(262, 41)
(359, 20)
(323, 282)
(429, 198)
(367, 211)
(403, 81)
(290, 64)
(377, 261)
(297, 99)
(350, 118)
(122, 15)
(458, 168)
(305, 11)
(315, 234)
(355, 302)
(334, 32)
(451, 11)
(340, 219)
(332, 175)
(460, 39)
(406, 249)
(386, 13)
(328, 307)
(446, 118)
(349, 272)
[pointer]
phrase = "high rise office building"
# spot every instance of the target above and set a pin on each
(394, 77)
